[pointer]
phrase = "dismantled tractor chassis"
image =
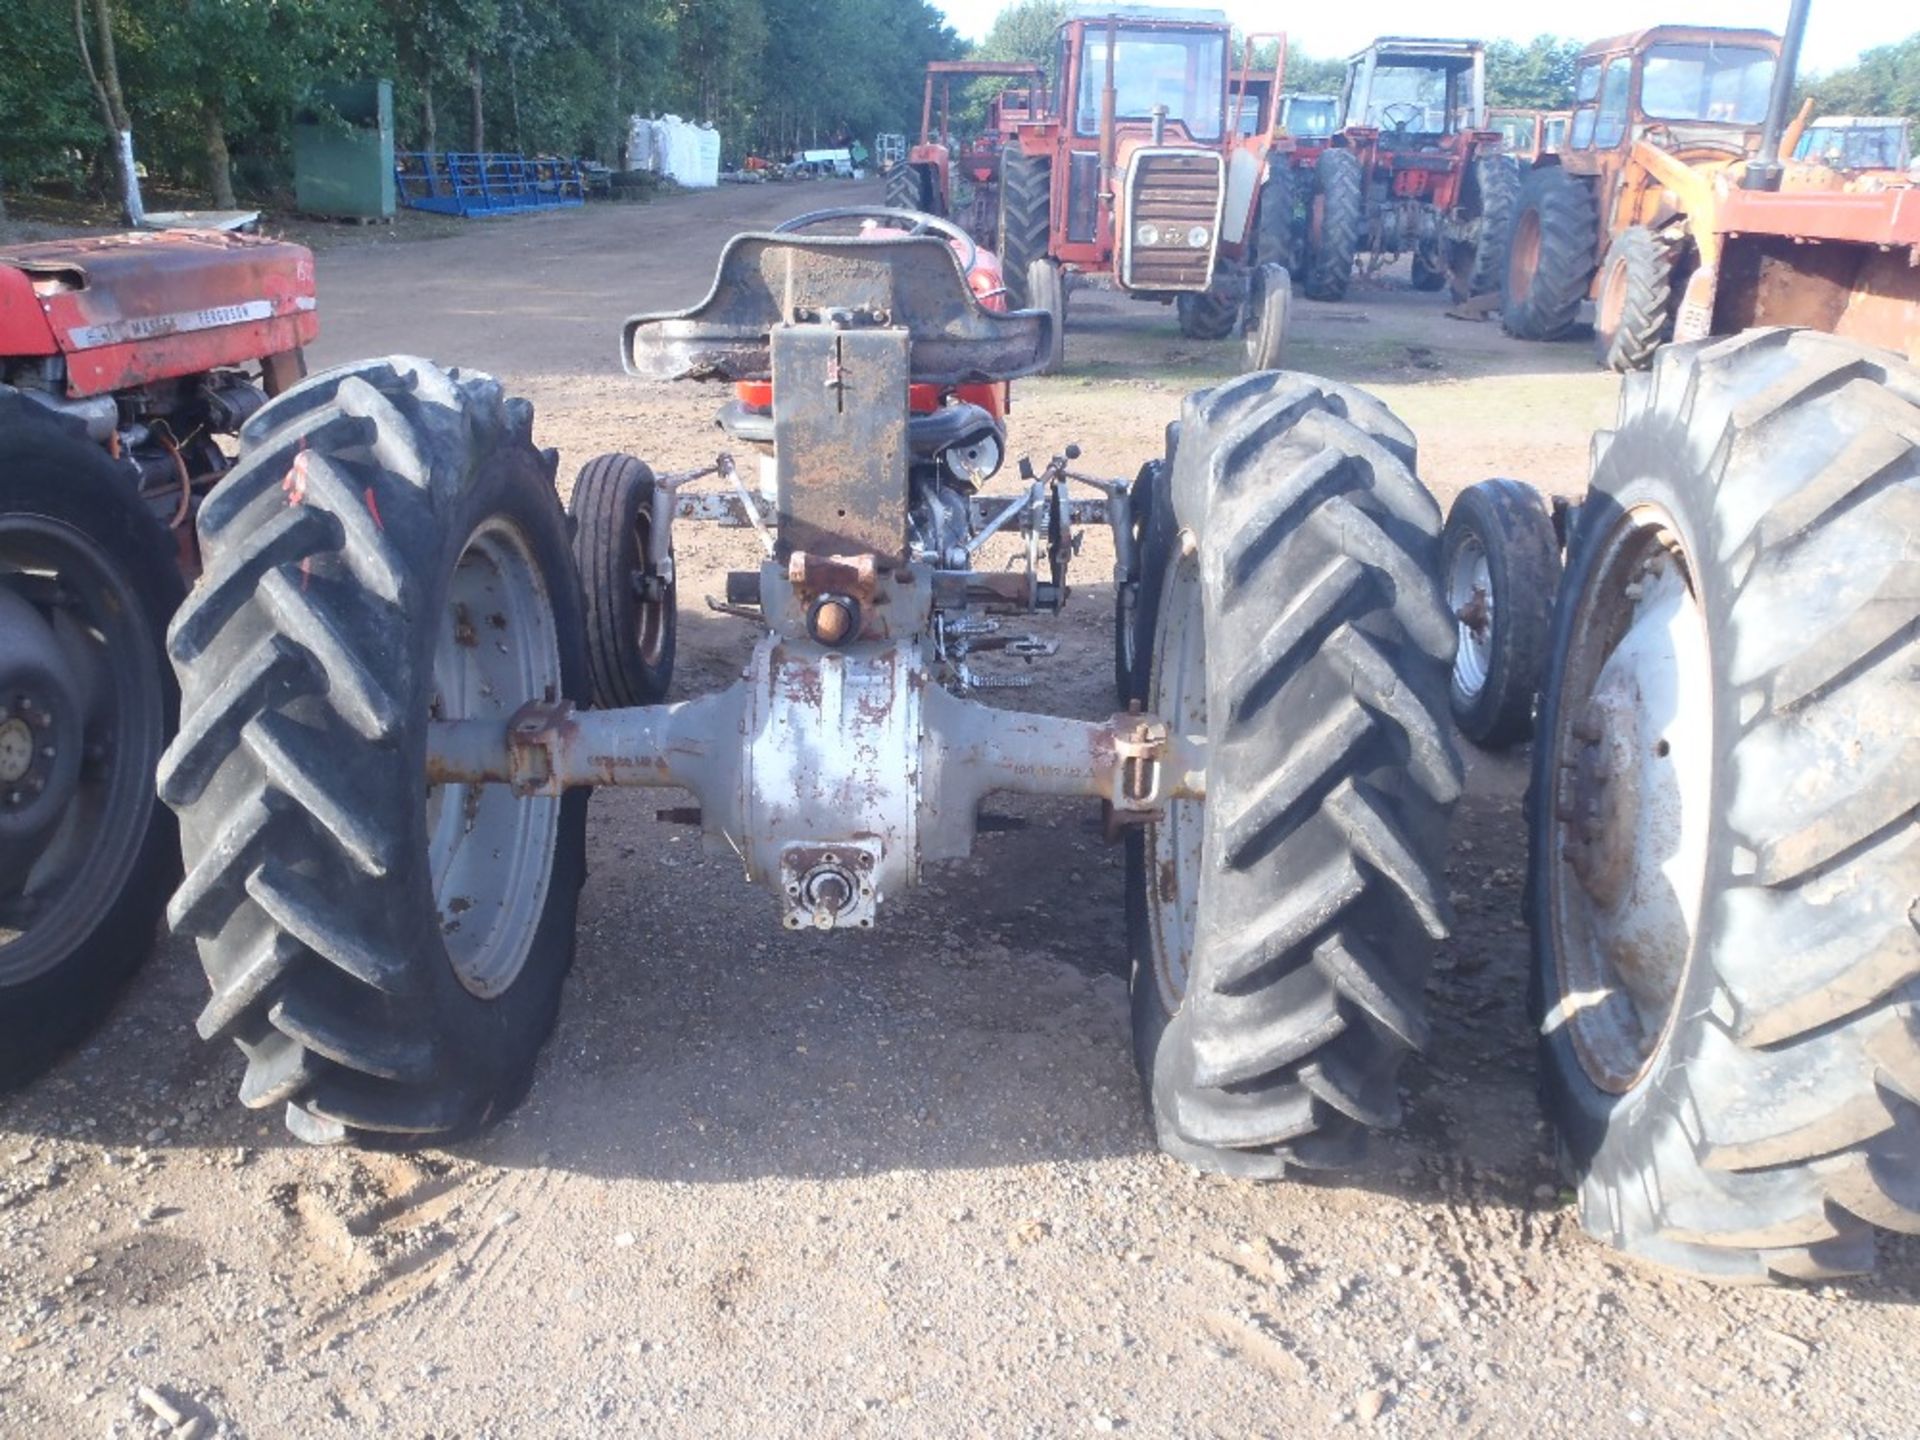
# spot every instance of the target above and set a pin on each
(384, 749)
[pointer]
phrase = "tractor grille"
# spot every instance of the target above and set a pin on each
(1171, 195)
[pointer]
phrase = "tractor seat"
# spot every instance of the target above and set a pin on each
(861, 282)
(927, 434)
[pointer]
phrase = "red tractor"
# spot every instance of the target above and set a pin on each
(1412, 168)
(1135, 171)
(125, 361)
(924, 181)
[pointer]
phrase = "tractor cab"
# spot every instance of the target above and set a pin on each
(1415, 92)
(1309, 118)
(1690, 90)
(1859, 144)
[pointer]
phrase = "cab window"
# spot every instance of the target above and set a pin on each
(1586, 89)
(1610, 127)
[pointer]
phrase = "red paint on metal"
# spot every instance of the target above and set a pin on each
(127, 310)
(1883, 217)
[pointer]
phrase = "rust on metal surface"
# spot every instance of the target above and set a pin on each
(128, 310)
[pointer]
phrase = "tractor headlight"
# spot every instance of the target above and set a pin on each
(1147, 235)
(1197, 237)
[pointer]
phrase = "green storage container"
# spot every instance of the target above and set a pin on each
(343, 152)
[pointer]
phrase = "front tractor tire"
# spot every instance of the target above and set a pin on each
(1500, 567)
(1634, 312)
(1725, 856)
(1281, 930)
(88, 580)
(1550, 255)
(1336, 219)
(388, 955)
(632, 610)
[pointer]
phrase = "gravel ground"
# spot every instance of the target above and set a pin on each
(896, 1182)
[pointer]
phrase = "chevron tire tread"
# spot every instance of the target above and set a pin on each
(1559, 208)
(305, 661)
(1777, 1121)
(1642, 267)
(1270, 1035)
(1340, 198)
(1273, 220)
(1476, 269)
(1025, 219)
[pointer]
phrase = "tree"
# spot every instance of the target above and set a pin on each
(93, 28)
(1883, 81)
(1534, 76)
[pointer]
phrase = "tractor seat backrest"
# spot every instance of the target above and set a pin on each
(859, 282)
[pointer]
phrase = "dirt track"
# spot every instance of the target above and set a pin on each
(898, 1182)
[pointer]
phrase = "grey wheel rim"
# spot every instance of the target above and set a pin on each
(1471, 599)
(86, 859)
(1178, 694)
(491, 851)
(1633, 753)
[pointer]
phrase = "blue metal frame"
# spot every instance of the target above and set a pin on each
(459, 182)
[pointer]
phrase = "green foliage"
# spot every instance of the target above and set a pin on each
(206, 79)
(1023, 31)
(1535, 76)
(1312, 75)
(1884, 81)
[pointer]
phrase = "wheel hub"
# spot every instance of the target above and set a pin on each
(40, 724)
(1470, 597)
(1634, 789)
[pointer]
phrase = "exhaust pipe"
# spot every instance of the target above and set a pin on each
(1764, 170)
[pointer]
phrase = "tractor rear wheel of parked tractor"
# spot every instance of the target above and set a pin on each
(1336, 219)
(1429, 267)
(1635, 310)
(388, 953)
(1550, 255)
(906, 187)
(1723, 880)
(1025, 220)
(631, 609)
(1500, 567)
(1477, 266)
(1211, 314)
(1281, 929)
(88, 579)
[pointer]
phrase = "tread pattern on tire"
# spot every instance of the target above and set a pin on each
(1647, 314)
(1512, 523)
(1788, 1124)
(903, 187)
(1329, 651)
(620, 675)
(289, 774)
(1496, 181)
(1025, 208)
(1340, 192)
(1207, 314)
(1569, 234)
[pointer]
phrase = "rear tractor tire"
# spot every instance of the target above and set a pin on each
(1500, 566)
(1210, 314)
(1273, 220)
(1725, 814)
(1477, 267)
(388, 954)
(1556, 226)
(1336, 219)
(632, 611)
(1281, 930)
(88, 579)
(906, 187)
(1025, 221)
